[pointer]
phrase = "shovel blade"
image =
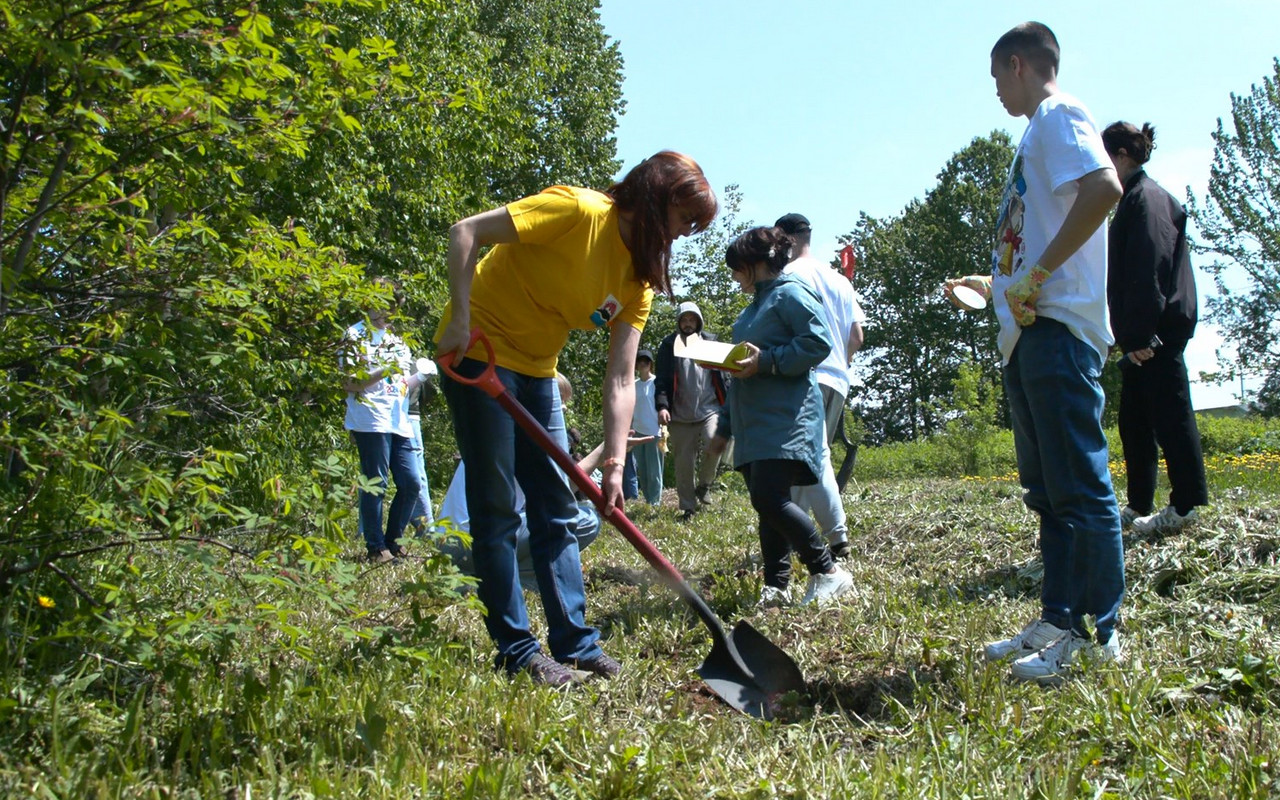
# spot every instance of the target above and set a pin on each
(754, 680)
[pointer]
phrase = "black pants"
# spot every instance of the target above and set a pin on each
(783, 526)
(1155, 409)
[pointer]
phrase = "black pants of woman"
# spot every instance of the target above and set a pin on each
(783, 526)
(1155, 410)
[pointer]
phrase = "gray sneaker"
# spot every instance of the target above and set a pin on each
(1127, 518)
(1032, 639)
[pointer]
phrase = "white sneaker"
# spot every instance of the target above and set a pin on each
(773, 597)
(1167, 520)
(1127, 518)
(826, 587)
(1030, 640)
(1051, 664)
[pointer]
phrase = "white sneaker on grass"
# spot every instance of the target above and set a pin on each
(1127, 518)
(1052, 664)
(824, 588)
(1030, 640)
(1167, 520)
(773, 597)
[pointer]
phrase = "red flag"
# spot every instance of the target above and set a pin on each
(848, 262)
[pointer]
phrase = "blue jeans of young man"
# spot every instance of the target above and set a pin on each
(423, 518)
(630, 482)
(382, 454)
(496, 455)
(648, 461)
(1055, 401)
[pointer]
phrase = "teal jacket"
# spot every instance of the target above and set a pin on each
(778, 413)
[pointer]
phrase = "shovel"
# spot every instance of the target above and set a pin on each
(744, 669)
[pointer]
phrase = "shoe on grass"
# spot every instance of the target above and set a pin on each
(547, 671)
(1127, 517)
(1030, 640)
(839, 544)
(687, 515)
(1167, 520)
(1052, 664)
(825, 587)
(773, 597)
(381, 556)
(702, 492)
(602, 665)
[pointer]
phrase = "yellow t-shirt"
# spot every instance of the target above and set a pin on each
(570, 271)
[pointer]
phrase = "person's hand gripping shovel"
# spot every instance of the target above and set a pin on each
(744, 668)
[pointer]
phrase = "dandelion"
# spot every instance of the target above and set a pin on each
(45, 602)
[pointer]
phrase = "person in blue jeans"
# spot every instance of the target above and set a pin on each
(1048, 282)
(380, 376)
(564, 259)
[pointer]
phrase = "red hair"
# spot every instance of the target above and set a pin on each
(647, 193)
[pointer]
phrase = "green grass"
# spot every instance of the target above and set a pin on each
(900, 703)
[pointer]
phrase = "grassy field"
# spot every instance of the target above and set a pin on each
(899, 701)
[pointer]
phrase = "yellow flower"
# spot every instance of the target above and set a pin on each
(45, 602)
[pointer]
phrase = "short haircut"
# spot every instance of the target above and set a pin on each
(1034, 43)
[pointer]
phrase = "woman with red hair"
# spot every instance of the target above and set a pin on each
(563, 259)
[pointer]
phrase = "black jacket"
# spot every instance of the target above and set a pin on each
(1150, 286)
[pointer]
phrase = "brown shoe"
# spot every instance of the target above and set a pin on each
(549, 672)
(602, 665)
(381, 557)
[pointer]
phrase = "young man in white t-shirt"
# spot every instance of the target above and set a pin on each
(844, 317)
(380, 373)
(1048, 282)
(644, 421)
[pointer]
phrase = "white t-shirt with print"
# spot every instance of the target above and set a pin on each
(840, 309)
(1061, 145)
(384, 406)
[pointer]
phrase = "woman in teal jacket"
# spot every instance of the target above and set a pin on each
(775, 412)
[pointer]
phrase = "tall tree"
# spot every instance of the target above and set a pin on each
(189, 195)
(916, 340)
(1239, 221)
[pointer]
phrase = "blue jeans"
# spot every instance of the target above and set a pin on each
(382, 454)
(1055, 400)
(422, 517)
(648, 461)
(497, 454)
(630, 483)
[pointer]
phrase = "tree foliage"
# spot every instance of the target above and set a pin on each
(1239, 221)
(916, 340)
(192, 198)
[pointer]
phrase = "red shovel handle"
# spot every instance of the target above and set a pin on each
(488, 382)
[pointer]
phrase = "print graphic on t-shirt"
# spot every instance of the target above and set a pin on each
(601, 316)
(1007, 256)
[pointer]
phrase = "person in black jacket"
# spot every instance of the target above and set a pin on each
(1151, 293)
(688, 398)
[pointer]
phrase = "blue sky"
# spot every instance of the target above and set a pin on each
(834, 108)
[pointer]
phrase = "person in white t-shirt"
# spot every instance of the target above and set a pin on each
(644, 422)
(844, 317)
(1048, 283)
(380, 373)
